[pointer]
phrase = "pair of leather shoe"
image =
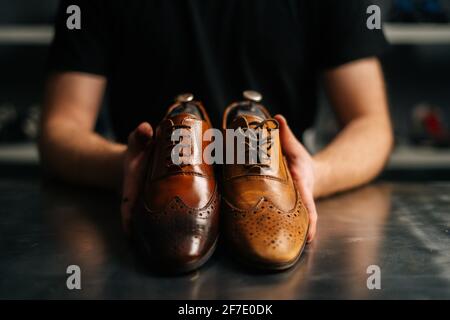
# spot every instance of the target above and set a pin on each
(176, 219)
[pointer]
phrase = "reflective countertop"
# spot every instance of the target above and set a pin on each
(402, 228)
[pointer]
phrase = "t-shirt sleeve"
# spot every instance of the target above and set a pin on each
(342, 34)
(85, 49)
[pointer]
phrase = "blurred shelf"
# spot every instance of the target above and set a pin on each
(417, 33)
(25, 153)
(396, 33)
(419, 158)
(26, 35)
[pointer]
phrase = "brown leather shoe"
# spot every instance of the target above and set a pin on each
(175, 221)
(265, 220)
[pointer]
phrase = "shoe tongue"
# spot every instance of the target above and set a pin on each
(182, 118)
(245, 121)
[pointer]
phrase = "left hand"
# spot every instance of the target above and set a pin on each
(135, 159)
(301, 166)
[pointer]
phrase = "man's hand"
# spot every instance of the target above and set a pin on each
(301, 166)
(133, 170)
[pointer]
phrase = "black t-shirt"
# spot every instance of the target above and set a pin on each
(152, 50)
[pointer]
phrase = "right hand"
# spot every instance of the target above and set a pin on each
(135, 159)
(302, 168)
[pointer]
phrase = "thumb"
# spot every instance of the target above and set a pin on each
(140, 137)
(134, 163)
(289, 142)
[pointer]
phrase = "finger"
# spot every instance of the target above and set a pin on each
(126, 214)
(132, 183)
(140, 137)
(134, 170)
(308, 201)
(129, 193)
(289, 142)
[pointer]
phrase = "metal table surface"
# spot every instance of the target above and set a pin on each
(401, 227)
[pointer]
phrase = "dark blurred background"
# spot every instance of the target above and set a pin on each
(417, 69)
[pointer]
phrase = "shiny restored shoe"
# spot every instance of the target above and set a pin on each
(265, 221)
(175, 221)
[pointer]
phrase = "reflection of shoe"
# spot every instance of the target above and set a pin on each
(432, 11)
(176, 220)
(265, 220)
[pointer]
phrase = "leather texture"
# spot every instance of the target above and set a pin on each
(176, 219)
(265, 220)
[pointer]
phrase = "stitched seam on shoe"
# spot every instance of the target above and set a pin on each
(181, 173)
(258, 177)
(211, 200)
(275, 208)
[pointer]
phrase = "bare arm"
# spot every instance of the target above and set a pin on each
(69, 148)
(361, 149)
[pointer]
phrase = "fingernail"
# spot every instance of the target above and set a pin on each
(145, 129)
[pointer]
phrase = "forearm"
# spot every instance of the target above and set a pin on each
(80, 156)
(356, 156)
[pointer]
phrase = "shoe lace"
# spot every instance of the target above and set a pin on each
(259, 142)
(171, 144)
